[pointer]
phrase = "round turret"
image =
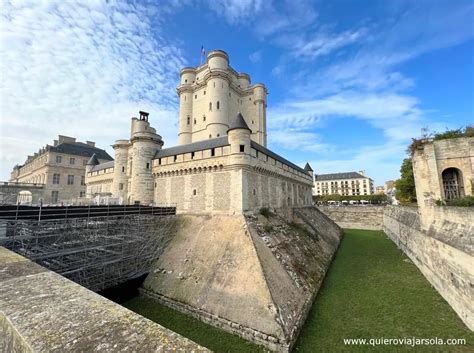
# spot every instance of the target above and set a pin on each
(188, 75)
(218, 59)
(244, 80)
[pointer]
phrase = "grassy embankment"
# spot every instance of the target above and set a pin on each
(371, 291)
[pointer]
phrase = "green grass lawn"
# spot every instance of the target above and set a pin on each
(371, 291)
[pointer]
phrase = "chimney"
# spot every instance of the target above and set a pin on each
(66, 139)
(143, 115)
(90, 143)
(55, 143)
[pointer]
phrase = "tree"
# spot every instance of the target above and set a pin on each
(406, 192)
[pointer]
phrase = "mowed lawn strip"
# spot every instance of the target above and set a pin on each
(372, 290)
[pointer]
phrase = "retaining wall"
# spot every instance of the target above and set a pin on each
(356, 217)
(443, 251)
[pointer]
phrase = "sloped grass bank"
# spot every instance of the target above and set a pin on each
(371, 290)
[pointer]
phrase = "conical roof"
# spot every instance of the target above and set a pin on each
(238, 122)
(93, 160)
(308, 168)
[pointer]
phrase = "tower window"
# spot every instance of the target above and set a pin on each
(242, 148)
(159, 161)
(218, 105)
(203, 118)
(148, 165)
(185, 81)
(210, 106)
(213, 152)
(204, 92)
(218, 135)
(214, 84)
(195, 96)
(194, 192)
(120, 186)
(189, 120)
(192, 155)
(175, 158)
(123, 169)
(210, 136)
(194, 121)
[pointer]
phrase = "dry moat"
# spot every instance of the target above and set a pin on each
(372, 290)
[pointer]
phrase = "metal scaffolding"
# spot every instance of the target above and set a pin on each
(96, 252)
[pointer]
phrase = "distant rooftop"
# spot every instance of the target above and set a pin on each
(337, 176)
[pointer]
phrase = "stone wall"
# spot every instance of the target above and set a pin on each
(40, 311)
(443, 252)
(356, 217)
(255, 276)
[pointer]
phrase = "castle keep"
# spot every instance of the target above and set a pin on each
(221, 163)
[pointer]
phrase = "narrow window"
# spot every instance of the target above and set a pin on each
(186, 81)
(204, 92)
(159, 161)
(148, 165)
(70, 179)
(189, 120)
(84, 162)
(204, 118)
(83, 180)
(210, 106)
(123, 169)
(194, 192)
(210, 136)
(195, 96)
(120, 186)
(175, 158)
(242, 148)
(218, 135)
(218, 105)
(194, 121)
(185, 98)
(192, 155)
(72, 160)
(213, 152)
(214, 84)
(250, 99)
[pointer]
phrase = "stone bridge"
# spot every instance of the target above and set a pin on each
(12, 193)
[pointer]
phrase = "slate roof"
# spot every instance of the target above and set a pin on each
(219, 142)
(102, 166)
(93, 160)
(308, 168)
(279, 158)
(80, 149)
(193, 147)
(238, 122)
(336, 176)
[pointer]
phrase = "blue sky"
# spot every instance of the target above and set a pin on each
(350, 82)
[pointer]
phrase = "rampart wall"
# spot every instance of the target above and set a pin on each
(41, 311)
(356, 217)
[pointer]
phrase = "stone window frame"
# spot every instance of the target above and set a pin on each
(70, 179)
(56, 178)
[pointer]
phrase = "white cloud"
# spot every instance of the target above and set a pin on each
(256, 56)
(237, 11)
(82, 69)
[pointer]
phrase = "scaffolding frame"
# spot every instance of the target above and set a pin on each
(95, 252)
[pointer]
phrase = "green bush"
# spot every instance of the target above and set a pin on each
(467, 201)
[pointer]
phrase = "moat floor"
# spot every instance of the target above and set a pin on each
(371, 290)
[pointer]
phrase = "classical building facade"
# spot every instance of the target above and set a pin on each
(60, 168)
(347, 184)
(221, 163)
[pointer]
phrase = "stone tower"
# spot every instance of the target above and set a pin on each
(144, 143)
(212, 94)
